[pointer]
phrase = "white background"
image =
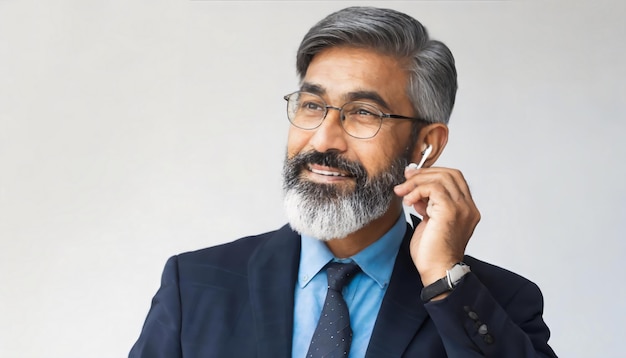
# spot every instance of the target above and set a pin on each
(134, 130)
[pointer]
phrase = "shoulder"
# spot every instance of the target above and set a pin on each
(234, 256)
(241, 246)
(224, 269)
(231, 253)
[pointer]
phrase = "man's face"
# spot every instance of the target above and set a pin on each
(334, 183)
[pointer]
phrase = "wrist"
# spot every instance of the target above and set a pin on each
(431, 274)
(440, 288)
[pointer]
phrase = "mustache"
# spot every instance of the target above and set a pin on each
(329, 159)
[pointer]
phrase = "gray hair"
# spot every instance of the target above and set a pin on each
(432, 74)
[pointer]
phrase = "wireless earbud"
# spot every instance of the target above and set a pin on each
(425, 155)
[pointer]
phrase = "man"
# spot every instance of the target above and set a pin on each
(376, 94)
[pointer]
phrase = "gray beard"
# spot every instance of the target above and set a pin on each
(326, 211)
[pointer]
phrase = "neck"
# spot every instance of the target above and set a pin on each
(359, 240)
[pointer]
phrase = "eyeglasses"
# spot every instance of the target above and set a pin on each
(359, 119)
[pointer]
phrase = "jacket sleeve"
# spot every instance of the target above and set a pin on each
(472, 323)
(160, 336)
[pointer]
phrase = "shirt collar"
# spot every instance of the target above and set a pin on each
(376, 260)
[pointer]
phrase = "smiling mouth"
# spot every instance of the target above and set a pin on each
(329, 173)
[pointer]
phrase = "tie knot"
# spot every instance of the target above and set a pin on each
(340, 274)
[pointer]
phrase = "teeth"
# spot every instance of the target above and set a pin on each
(324, 172)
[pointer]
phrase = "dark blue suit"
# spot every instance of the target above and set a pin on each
(236, 301)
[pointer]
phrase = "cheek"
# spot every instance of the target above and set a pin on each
(385, 148)
(400, 139)
(296, 141)
(374, 156)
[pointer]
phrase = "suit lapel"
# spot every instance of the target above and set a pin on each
(272, 273)
(402, 311)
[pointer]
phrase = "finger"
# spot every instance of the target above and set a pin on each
(420, 207)
(443, 194)
(429, 195)
(434, 201)
(448, 178)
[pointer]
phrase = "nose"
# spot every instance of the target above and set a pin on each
(330, 134)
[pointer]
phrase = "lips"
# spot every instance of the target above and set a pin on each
(328, 172)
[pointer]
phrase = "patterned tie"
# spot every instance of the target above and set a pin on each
(333, 334)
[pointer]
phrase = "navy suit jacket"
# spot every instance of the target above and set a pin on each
(236, 301)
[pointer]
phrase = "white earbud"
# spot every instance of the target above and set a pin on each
(425, 155)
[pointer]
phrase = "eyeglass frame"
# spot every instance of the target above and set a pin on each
(382, 115)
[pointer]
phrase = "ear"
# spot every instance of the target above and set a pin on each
(436, 135)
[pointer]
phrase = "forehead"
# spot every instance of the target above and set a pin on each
(339, 72)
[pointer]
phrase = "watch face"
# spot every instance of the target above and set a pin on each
(457, 272)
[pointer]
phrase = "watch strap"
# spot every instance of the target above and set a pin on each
(435, 289)
(446, 283)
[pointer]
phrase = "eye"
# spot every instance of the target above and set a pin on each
(312, 106)
(361, 111)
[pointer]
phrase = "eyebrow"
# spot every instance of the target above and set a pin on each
(349, 97)
(312, 88)
(367, 95)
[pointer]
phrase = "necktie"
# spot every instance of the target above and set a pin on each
(333, 334)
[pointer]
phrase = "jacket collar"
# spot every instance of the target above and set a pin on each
(402, 312)
(273, 273)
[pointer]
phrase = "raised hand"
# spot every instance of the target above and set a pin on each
(442, 197)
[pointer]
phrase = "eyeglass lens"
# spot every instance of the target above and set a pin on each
(359, 119)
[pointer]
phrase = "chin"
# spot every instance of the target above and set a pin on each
(328, 219)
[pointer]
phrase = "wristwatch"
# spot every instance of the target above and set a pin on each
(446, 283)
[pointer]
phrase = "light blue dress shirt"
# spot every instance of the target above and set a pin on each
(363, 295)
